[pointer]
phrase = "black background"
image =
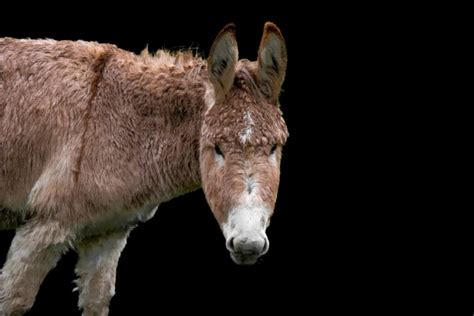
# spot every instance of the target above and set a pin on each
(333, 236)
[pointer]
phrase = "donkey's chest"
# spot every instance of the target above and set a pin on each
(118, 220)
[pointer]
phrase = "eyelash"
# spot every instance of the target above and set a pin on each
(272, 151)
(218, 151)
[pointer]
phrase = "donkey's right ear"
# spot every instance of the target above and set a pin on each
(222, 61)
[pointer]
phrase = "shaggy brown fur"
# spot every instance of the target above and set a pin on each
(75, 92)
(94, 138)
(223, 125)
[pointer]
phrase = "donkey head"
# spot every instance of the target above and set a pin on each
(241, 140)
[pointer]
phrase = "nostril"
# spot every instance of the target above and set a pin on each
(230, 244)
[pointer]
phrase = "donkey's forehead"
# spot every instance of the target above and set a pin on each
(245, 116)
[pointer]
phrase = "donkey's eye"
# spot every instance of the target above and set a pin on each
(218, 151)
(272, 151)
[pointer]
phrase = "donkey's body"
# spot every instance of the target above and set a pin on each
(88, 129)
(94, 138)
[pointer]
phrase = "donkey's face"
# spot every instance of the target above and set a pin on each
(242, 137)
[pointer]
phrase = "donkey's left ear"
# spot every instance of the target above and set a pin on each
(272, 59)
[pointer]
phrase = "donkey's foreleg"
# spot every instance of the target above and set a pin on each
(96, 268)
(34, 251)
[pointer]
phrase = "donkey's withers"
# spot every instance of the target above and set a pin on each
(93, 139)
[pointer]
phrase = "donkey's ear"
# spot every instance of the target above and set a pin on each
(272, 59)
(222, 60)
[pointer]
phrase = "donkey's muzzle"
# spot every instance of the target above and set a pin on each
(245, 250)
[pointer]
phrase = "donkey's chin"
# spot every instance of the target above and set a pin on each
(243, 259)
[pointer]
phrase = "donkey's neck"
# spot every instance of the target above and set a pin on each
(171, 113)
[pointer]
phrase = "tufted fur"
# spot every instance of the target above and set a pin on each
(94, 138)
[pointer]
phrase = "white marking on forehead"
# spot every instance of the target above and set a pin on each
(246, 133)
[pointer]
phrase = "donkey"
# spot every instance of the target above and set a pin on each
(93, 138)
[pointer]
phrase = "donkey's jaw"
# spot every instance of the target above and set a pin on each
(243, 260)
(245, 232)
(246, 249)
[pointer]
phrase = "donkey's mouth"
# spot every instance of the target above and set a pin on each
(244, 259)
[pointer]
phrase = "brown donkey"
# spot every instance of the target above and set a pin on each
(94, 138)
